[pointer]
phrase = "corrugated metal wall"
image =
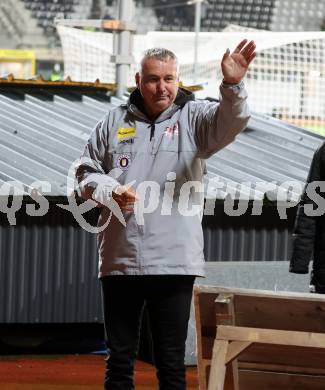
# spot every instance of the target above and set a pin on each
(48, 265)
(247, 244)
(248, 238)
(48, 271)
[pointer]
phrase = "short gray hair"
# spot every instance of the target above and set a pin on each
(160, 54)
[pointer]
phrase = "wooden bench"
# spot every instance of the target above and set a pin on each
(259, 340)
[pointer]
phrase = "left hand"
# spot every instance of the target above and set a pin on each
(235, 65)
(125, 197)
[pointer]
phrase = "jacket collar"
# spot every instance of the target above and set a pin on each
(136, 105)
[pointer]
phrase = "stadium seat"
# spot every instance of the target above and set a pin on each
(46, 11)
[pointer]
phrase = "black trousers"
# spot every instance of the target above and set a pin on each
(168, 301)
(317, 280)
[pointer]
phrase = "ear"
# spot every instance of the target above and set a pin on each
(137, 79)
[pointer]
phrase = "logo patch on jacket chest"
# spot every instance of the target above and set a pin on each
(125, 133)
(171, 130)
(123, 161)
(128, 141)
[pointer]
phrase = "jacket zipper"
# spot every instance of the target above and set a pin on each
(152, 130)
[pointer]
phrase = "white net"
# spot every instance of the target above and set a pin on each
(286, 80)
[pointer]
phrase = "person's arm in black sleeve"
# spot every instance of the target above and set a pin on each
(304, 232)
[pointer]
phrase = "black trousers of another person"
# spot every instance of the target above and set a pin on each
(168, 301)
(317, 280)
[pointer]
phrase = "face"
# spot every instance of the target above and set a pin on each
(158, 84)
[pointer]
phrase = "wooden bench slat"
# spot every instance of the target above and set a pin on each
(270, 336)
(293, 322)
(259, 380)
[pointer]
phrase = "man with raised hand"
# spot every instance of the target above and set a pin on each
(158, 141)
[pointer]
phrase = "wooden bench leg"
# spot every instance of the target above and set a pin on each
(231, 380)
(218, 365)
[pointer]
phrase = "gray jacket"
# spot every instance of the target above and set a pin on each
(166, 159)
